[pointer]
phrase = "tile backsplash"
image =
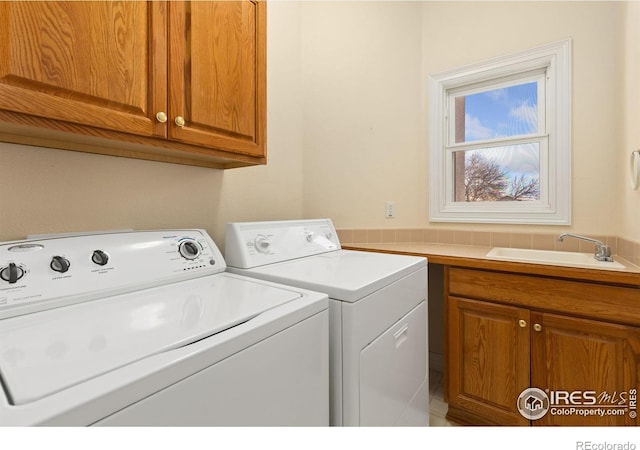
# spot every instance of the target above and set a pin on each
(624, 248)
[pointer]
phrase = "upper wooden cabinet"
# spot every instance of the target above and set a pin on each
(182, 82)
(85, 63)
(217, 73)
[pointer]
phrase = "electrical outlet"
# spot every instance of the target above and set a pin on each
(390, 210)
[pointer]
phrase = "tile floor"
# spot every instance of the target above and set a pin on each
(437, 406)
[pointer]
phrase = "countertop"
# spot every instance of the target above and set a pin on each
(476, 257)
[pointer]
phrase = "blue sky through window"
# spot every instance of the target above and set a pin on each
(503, 112)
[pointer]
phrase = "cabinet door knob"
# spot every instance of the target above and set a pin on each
(537, 327)
(522, 323)
(161, 117)
(180, 121)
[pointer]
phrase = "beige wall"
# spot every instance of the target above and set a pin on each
(365, 100)
(630, 199)
(364, 124)
(45, 190)
(347, 125)
(596, 33)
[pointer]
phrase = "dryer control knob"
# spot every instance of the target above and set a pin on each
(11, 273)
(99, 257)
(60, 264)
(189, 249)
(262, 243)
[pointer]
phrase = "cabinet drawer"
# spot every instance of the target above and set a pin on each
(606, 302)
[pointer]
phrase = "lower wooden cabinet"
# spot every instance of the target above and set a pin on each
(585, 369)
(596, 361)
(488, 361)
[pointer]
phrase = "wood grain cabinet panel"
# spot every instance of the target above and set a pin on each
(88, 63)
(506, 332)
(579, 355)
(93, 76)
(218, 88)
(489, 362)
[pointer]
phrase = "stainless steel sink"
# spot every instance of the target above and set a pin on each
(552, 257)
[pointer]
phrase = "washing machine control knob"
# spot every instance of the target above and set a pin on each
(262, 243)
(11, 273)
(308, 236)
(99, 257)
(60, 264)
(189, 249)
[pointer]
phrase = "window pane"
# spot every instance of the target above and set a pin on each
(497, 113)
(509, 173)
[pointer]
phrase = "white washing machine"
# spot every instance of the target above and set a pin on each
(146, 328)
(378, 315)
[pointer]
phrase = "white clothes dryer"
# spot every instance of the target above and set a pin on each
(146, 328)
(378, 315)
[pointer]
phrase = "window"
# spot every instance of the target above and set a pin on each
(500, 140)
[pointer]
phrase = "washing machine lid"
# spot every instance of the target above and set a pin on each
(345, 275)
(49, 351)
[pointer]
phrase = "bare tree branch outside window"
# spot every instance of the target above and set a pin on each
(485, 180)
(524, 188)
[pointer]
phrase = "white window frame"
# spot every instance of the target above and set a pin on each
(554, 137)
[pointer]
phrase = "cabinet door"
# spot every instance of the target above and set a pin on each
(488, 361)
(101, 64)
(577, 355)
(217, 74)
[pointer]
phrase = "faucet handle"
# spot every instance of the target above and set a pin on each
(603, 253)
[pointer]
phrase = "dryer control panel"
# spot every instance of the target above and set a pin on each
(253, 244)
(47, 272)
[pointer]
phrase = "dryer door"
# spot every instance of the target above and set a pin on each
(393, 368)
